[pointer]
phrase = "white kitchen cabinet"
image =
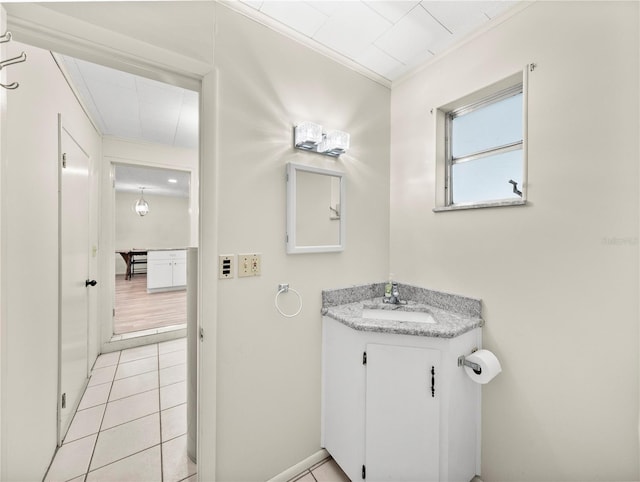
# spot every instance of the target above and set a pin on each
(166, 270)
(381, 421)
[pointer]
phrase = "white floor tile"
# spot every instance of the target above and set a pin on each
(94, 396)
(85, 422)
(130, 408)
(79, 479)
(71, 460)
(127, 439)
(107, 359)
(102, 375)
(173, 345)
(143, 466)
(126, 387)
(174, 422)
(176, 464)
(174, 374)
(173, 395)
(138, 353)
(137, 367)
(174, 358)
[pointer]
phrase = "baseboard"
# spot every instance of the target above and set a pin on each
(301, 466)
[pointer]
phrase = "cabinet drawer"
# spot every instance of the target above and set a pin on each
(167, 254)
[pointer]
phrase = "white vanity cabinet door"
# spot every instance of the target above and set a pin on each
(402, 422)
(343, 381)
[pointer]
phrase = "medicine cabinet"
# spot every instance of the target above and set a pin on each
(315, 209)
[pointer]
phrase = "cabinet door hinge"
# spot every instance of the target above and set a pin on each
(201, 333)
(364, 472)
(364, 358)
(64, 160)
(64, 400)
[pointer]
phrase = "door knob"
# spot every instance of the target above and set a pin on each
(91, 282)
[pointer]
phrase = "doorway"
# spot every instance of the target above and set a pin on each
(154, 163)
(150, 151)
(152, 230)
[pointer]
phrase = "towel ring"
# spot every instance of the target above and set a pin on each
(284, 288)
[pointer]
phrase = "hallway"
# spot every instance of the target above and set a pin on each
(131, 423)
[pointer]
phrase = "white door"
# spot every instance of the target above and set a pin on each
(402, 427)
(74, 271)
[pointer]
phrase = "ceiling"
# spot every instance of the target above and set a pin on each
(132, 107)
(388, 37)
(154, 181)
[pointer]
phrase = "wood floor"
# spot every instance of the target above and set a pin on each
(138, 310)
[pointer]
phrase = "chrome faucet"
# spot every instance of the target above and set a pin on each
(395, 295)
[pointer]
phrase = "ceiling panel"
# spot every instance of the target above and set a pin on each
(457, 16)
(352, 28)
(412, 36)
(298, 15)
(392, 11)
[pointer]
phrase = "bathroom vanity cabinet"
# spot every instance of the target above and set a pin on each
(166, 270)
(397, 407)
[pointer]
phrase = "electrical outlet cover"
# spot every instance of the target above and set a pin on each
(249, 265)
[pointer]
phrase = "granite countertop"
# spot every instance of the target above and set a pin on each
(454, 314)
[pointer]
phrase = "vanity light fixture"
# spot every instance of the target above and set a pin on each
(309, 137)
(141, 206)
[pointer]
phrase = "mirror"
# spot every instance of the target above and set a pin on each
(315, 209)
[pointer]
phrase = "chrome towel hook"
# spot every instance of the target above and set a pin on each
(16, 60)
(11, 86)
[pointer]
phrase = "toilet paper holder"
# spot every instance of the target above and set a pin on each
(463, 362)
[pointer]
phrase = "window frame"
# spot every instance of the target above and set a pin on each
(507, 87)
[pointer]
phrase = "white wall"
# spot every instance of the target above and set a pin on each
(124, 151)
(268, 367)
(165, 226)
(30, 262)
(558, 277)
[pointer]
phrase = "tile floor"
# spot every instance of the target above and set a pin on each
(131, 423)
(324, 471)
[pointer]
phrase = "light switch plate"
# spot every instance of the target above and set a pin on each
(225, 266)
(249, 265)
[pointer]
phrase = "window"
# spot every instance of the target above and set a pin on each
(484, 150)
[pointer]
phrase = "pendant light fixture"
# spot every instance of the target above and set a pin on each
(141, 206)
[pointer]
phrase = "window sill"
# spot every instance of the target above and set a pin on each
(482, 205)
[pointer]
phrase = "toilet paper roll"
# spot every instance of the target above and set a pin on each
(488, 363)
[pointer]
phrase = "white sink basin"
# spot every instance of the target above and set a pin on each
(398, 315)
